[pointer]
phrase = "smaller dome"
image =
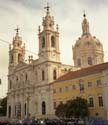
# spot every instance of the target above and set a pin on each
(88, 50)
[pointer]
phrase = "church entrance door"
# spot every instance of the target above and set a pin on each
(9, 115)
(43, 108)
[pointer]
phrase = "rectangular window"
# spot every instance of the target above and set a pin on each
(60, 90)
(98, 82)
(91, 103)
(43, 75)
(54, 105)
(89, 84)
(89, 60)
(54, 90)
(81, 87)
(73, 87)
(100, 99)
(66, 88)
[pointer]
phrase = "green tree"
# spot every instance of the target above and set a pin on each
(77, 108)
(3, 106)
(61, 110)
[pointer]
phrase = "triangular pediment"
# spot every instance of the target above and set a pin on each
(21, 64)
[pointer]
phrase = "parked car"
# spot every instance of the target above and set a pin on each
(81, 122)
(98, 122)
(50, 122)
(34, 122)
(70, 122)
(3, 123)
(15, 122)
(26, 122)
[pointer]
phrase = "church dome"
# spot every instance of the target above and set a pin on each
(88, 42)
(88, 50)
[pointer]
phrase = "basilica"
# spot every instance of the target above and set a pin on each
(31, 85)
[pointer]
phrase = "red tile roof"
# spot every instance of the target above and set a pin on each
(83, 72)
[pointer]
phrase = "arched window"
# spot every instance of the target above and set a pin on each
(19, 57)
(26, 77)
(12, 59)
(10, 84)
(43, 42)
(52, 41)
(9, 111)
(18, 44)
(25, 107)
(43, 75)
(89, 60)
(16, 78)
(79, 62)
(54, 74)
(43, 108)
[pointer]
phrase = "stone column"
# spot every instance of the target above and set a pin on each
(22, 106)
(39, 105)
(12, 106)
(8, 106)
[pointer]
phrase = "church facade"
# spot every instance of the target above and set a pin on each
(29, 90)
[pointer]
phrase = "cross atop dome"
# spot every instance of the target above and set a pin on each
(47, 8)
(17, 29)
(17, 37)
(84, 15)
(85, 25)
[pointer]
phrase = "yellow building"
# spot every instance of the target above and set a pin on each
(89, 83)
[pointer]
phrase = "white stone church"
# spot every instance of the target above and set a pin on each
(29, 93)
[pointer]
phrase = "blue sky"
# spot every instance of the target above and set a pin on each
(67, 13)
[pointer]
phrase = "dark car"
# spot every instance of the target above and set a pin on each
(26, 122)
(3, 123)
(34, 122)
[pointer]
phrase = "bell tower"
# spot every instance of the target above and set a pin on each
(48, 39)
(16, 50)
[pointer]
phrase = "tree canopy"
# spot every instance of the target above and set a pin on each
(77, 108)
(3, 106)
(61, 110)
